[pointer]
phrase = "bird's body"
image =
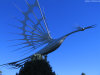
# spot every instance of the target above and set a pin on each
(52, 46)
(37, 34)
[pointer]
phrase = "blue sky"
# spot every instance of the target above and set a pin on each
(79, 53)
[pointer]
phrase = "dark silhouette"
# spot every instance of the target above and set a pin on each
(17, 74)
(36, 67)
(0, 72)
(83, 74)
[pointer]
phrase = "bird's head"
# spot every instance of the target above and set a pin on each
(84, 28)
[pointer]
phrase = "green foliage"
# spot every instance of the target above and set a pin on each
(0, 71)
(83, 74)
(36, 67)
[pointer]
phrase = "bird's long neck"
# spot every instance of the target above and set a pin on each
(81, 29)
(78, 30)
(63, 37)
(72, 32)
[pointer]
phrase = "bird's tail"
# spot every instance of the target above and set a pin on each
(18, 64)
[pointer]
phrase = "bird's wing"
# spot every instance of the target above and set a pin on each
(34, 27)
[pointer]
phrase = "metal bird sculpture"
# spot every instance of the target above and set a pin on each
(36, 34)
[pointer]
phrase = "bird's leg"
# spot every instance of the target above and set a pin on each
(45, 57)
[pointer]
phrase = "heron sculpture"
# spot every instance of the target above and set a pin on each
(36, 33)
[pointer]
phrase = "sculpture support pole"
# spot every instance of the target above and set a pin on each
(37, 57)
(45, 57)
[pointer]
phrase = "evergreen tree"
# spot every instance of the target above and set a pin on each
(36, 67)
(17, 74)
(0, 72)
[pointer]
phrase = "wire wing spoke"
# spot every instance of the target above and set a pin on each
(34, 28)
